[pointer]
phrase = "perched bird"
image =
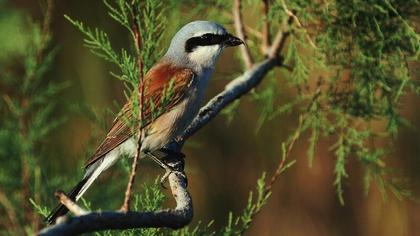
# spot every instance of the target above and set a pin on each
(186, 67)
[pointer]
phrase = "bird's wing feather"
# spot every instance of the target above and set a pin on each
(165, 86)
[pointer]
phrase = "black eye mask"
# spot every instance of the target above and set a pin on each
(205, 40)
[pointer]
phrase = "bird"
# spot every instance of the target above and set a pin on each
(186, 67)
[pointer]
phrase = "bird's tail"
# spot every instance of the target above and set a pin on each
(92, 173)
(61, 209)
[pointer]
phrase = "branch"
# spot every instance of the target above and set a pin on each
(175, 218)
(265, 27)
(233, 90)
(248, 28)
(297, 21)
(70, 204)
(240, 31)
(280, 38)
(253, 31)
(13, 224)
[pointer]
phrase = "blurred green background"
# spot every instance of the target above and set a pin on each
(223, 159)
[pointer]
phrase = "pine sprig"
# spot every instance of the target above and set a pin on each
(97, 41)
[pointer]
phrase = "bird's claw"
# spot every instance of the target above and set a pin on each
(169, 169)
(165, 177)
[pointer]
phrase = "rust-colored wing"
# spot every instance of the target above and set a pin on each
(160, 80)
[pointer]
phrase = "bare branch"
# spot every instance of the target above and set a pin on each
(248, 28)
(280, 38)
(175, 218)
(265, 28)
(253, 31)
(13, 224)
(240, 31)
(298, 23)
(70, 204)
(234, 90)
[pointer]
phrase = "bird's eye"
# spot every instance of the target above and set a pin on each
(204, 40)
(206, 37)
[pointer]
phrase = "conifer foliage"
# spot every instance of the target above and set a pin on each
(347, 61)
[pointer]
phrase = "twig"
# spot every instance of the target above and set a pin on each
(240, 31)
(13, 224)
(280, 38)
(234, 90)
(24, 117)
(265, 28)
(70, 204)
(298, 23)
(281, 167)
(25, 178)
(282, 161)
(138, 45)
(46, 24)
(175, 218)
(253, 31)
(248, 28)
(292, 142)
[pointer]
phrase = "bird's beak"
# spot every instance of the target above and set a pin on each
(232, 41)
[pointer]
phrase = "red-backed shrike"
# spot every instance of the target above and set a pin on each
(188, 65)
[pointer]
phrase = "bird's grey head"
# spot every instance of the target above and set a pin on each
(198, 44)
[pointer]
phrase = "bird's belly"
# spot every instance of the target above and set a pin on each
(168, 126)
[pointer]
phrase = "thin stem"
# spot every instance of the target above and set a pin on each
(280, 38)
(282, 166)
(295, 137)
(45, 28)
(13, 224)
(138, 45)
(253, 31)
(240, 31)
(70, 204)
(265, 28)
(298, 23)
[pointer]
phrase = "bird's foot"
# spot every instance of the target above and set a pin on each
(170, 161)
(168, 169)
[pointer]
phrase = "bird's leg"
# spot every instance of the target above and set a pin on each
(169, 160)
(168, 169)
